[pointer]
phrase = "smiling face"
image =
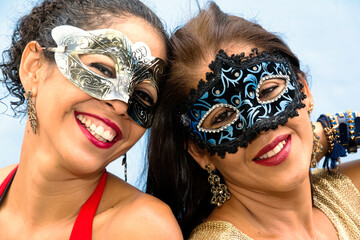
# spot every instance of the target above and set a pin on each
(277, 160)
(105, 64)
(242, 97)
(251, 106)
(89, 132)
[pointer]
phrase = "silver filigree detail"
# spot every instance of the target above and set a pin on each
(133, 62)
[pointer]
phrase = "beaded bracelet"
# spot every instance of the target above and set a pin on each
(335, 149)
(349, 130)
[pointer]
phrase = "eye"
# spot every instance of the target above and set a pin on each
(144, 97)
(271, 89)
(102, 70)
(266, 92)
(146, 92)
(100, 64)
(220, 116)
(224, 115)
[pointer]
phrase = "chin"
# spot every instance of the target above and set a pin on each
(84, 163)
(295, 178)
(288, 179)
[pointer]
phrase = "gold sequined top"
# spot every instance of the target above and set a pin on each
(334, 194)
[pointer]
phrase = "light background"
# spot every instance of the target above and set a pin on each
(324, 34)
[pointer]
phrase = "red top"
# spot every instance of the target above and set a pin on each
(82, 229)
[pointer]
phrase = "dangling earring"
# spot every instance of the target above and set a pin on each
(311, 108)
(124, 163)
(317, 148)
(219, 191)
(31, 111)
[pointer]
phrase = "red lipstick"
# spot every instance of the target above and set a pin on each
(93, 139)
(277, 158)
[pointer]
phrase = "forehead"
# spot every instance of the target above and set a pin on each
(229, 48)
(139, 30)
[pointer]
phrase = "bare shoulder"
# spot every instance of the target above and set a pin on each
(128, 212)
(4, 172)
(352, 170)
(146, 217)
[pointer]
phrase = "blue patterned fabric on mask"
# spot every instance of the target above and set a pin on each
(242, 97)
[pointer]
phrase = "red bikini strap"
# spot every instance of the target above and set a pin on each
(82, 229)
(4, 184)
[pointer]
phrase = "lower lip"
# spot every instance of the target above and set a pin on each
(93, 139)
(279, 157)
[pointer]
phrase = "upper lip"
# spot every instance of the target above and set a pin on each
(271, 145)
(107, 122)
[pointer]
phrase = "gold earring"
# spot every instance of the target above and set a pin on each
(219, 191)
(317, 148)
(31, 110)
(311, 108)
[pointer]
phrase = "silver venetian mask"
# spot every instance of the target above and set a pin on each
(132, 66)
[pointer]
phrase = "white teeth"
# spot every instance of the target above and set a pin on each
(93, 127)
(80, 117)
(277, 149)
(106, 134)
(88, 123)
(274, 151)
(97, 131)
(111, 137)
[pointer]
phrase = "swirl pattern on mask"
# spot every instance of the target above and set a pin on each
(233, 82)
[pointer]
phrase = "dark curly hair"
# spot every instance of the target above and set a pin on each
(37, 26)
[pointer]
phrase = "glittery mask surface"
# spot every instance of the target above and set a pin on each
(242, 97)
(133, 64)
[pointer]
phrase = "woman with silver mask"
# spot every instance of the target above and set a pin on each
(234, 131)
(89, 72)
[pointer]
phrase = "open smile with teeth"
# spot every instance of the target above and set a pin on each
(99, 130)
(274, 151)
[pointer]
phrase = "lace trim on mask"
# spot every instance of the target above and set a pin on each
(244, 62)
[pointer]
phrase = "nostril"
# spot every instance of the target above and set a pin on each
(119, 107)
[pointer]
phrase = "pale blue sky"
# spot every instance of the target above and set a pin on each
(324, 34)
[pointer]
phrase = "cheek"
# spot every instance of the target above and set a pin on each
(56, 96)
(304, 125)
(136, 132)
(303, 130)
(232, 165)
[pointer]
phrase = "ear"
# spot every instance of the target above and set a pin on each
(201, 156)
(30, 66)
(309, 100)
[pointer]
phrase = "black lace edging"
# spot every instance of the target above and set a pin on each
(232, 146)
(236, 61)
(239, 61)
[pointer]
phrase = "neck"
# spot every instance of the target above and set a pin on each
(43, 192)
(270, 213)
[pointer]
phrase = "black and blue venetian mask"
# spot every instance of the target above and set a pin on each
(242, 97)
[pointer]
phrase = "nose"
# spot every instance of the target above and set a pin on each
(118, 107)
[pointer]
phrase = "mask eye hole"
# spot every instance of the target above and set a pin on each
(271, 88)
(146, 93)
(219, 117)
(101, 65)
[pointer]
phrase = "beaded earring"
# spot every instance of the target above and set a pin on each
(219, 190)
(317, 148)
(31, 110)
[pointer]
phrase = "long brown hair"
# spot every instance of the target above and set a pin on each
(173, 175)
